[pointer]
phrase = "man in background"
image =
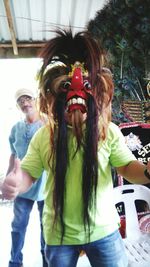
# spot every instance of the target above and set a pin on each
(19, 139)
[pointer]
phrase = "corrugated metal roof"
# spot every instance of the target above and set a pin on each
(29, 23)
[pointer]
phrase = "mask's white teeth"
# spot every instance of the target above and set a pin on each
(74, 100)
(78, 100)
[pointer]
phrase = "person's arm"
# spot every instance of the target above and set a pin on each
(16, 182)
(134, 172)
(11, 163)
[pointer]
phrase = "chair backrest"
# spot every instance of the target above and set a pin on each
(128, 194)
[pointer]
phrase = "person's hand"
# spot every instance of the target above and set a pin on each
(11, 185)
(148, 166)
(1, 189)
(147, 170)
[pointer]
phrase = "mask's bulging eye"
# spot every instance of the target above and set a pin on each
(47, 90)
(66, 84)
(87, 85)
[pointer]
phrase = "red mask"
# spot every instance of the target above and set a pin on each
(79, 89)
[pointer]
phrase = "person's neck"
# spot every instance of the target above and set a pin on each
(32, 118)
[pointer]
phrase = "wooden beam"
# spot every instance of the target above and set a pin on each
(22, 45)
(24, 52)
(11, 26)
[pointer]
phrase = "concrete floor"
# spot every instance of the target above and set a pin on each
(31, 250)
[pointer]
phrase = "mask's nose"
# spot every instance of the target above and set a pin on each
(77, 80)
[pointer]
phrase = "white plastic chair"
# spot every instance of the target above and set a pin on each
(136, 242)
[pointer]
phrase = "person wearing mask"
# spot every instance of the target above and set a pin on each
(77, 148)
(19, 139)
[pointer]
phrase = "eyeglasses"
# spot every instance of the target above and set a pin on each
(24, 99)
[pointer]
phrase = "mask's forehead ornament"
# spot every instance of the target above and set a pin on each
(81, 67)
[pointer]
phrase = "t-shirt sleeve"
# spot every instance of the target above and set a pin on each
(12, 140)
(32, 162)
(120, 153)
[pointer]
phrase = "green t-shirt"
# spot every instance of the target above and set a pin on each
(112, 152)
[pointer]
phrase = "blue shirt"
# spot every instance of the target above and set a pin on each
(19, 139)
